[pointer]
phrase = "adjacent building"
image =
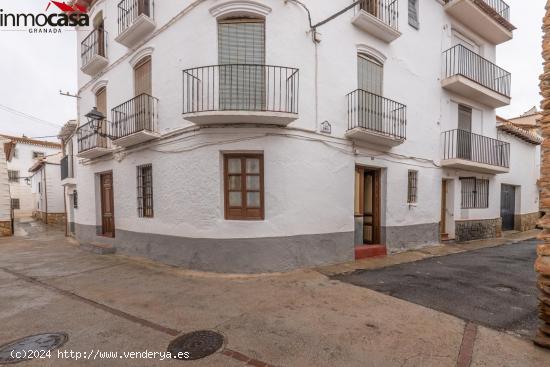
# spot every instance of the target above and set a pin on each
(21, 154)
(68, 178)
(46, 187)
(237, 136)
(6, 213)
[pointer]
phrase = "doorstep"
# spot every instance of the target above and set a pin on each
(368, 251)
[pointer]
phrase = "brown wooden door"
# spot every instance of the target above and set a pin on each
(107, 205)
(371, 215)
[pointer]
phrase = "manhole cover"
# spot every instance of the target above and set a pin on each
(196, 345)
(503, 288)
(31, 347)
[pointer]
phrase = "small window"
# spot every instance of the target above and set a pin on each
(13, 176)
(413, 14)
(474, 193)
(15, 204)
(412, 190)
(244, 186)
(15, 152)
(75, 199)
(39, 187)
(37, 155)
(145, 190)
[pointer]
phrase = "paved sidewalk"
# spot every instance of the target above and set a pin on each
(425, 253)
(114, 303)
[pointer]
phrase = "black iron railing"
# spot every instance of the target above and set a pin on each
(88, 138)
(373, 112)
(498, 6)
(67, 167)
(129, 10)
(94, 44)
(138, 114)
(240, 87)
(462, 144)
(385, 10)
(460, 60)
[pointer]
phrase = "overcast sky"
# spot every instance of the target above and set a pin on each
(38, 66)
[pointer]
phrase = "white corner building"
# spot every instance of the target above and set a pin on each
(238, 136)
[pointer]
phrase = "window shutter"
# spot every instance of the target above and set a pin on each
(241, 42)
(413, 14)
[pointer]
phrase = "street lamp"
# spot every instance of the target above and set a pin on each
(95, 119)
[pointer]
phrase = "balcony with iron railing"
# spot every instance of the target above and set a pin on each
(94, 142)
(135, 121)
(470, 75)
(93, 51)
(241, 93)
(135, 21)
(375, 119)
(472, 152)
(379, 18)
(488, 18)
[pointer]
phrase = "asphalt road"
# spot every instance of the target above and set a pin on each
(495, 287)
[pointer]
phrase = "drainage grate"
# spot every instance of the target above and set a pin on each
(30, 347)
(196, 345)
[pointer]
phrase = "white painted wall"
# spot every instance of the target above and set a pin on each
(50, 198)
(5, 198)
(22, 161)
(309, 184)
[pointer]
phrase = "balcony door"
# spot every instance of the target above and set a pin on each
(101, 105)
(99, 27)
(242, 73)
(464, 133)
(371, 6)
(141, 106)
(370, 75)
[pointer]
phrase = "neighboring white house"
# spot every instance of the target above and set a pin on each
(239, 137)
(5, 198)
(21, 154)
(49, 206)
(68, 179)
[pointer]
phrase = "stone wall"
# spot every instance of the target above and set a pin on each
(5, 229)
(526, 222)
(52, 218)
(468, 230)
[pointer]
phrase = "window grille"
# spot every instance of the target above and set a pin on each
(15, 204)
(145, 190)
(412, 191)
(474, 193)
(13, 176)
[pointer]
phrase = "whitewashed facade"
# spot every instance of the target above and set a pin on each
(359, 113)
(23, 153)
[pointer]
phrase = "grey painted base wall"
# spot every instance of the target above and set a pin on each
(248, 256)
(403, 238)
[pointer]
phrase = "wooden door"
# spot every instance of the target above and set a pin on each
(508, 207)
(371, 207)
(141, 107)
(107, 205)
(100, 38)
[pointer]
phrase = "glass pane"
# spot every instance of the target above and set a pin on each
(253, 199)
(253, 183)
(252, 165)
(235, 199)
(234, 182)
(234, 165)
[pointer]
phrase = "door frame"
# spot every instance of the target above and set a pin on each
(101, 175)
(376, 200)
(513, 202)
